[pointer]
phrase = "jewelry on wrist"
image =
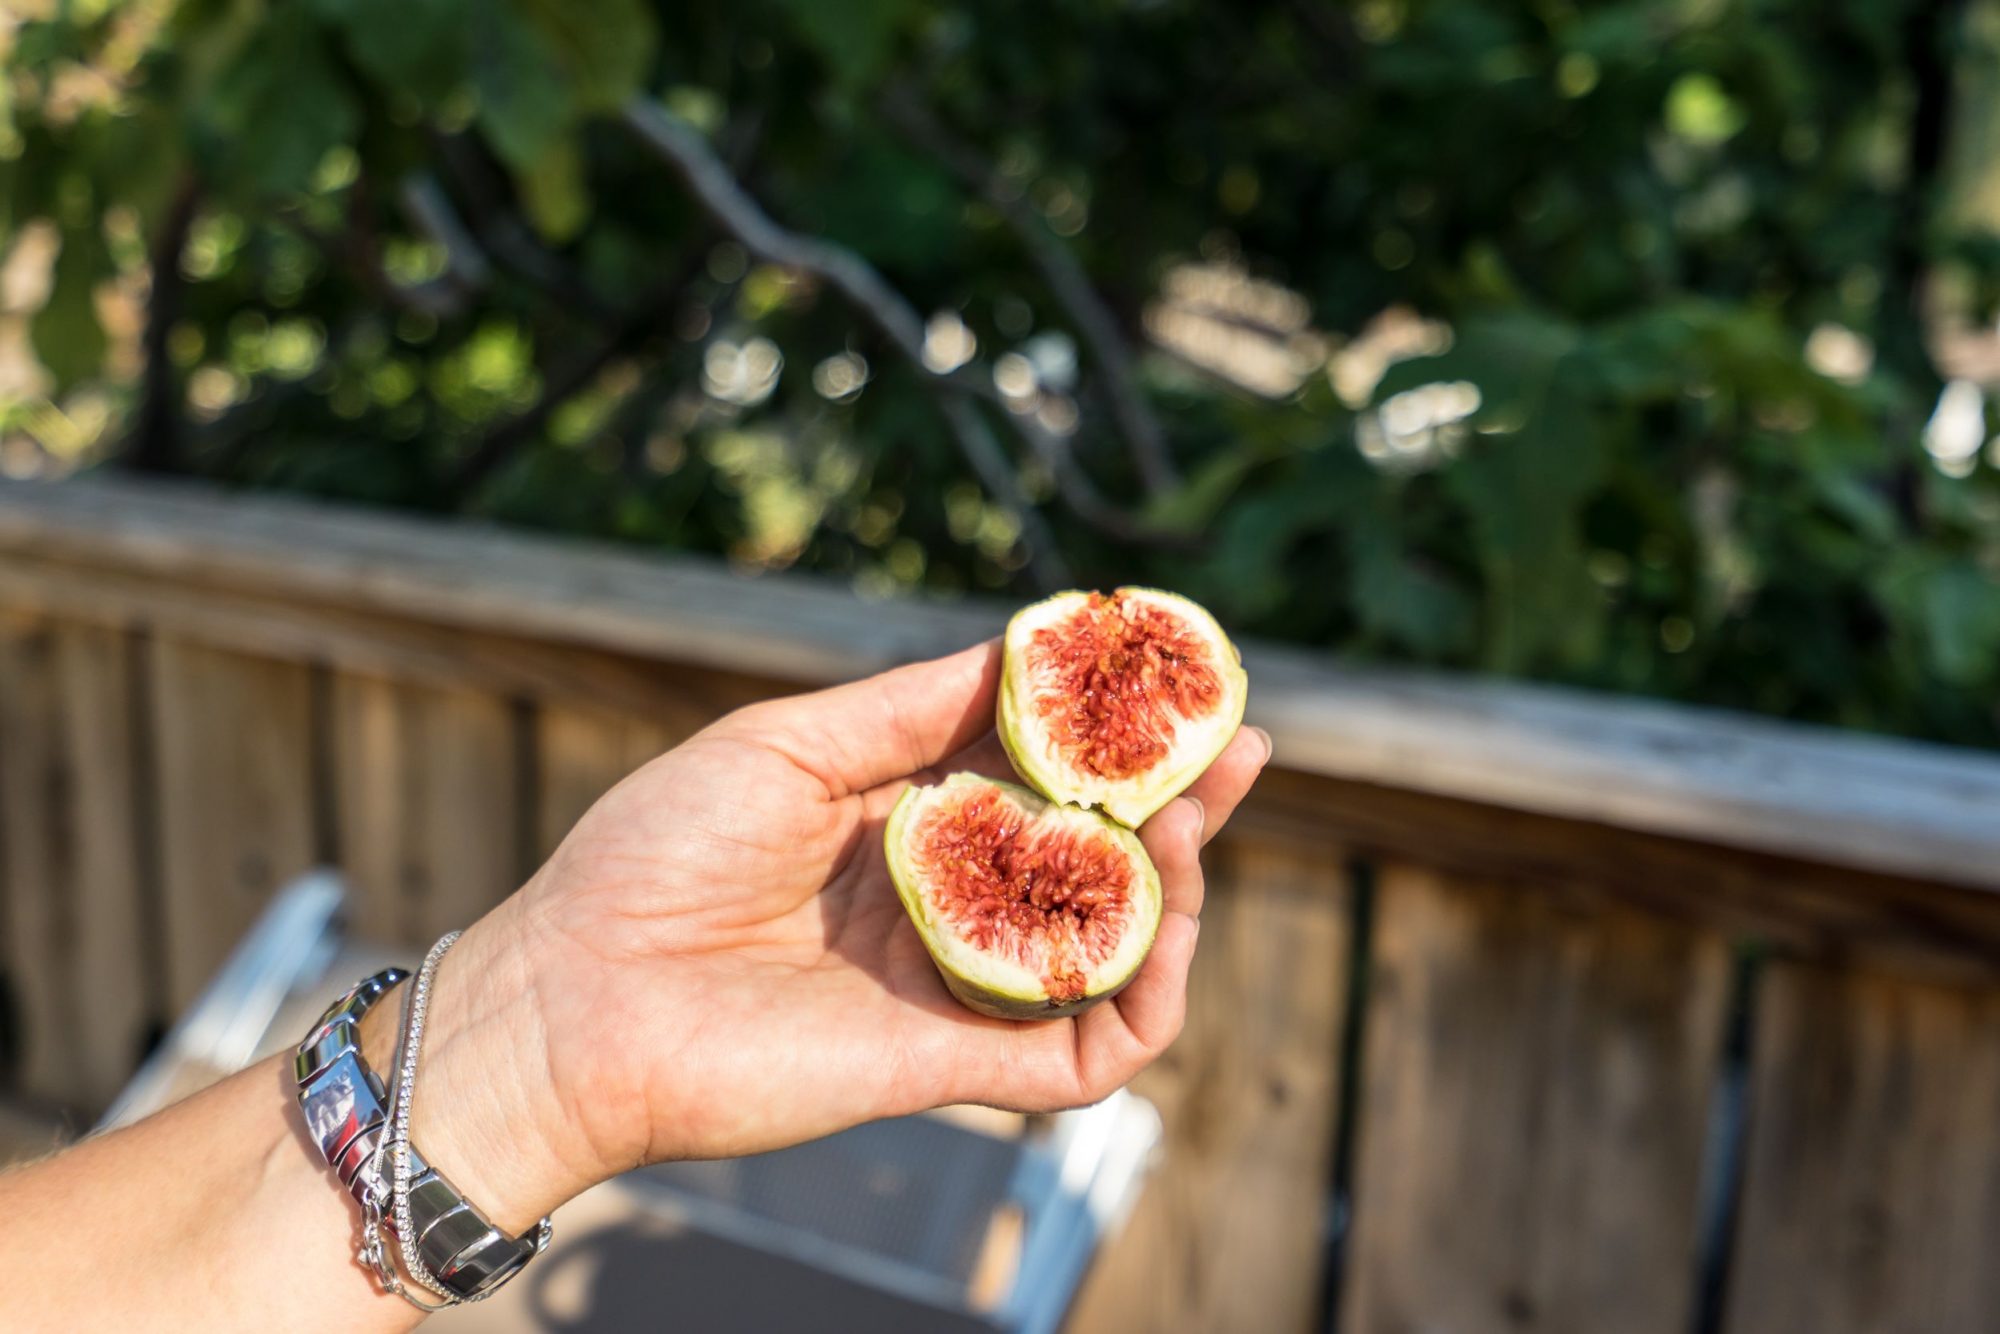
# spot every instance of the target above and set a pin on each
(449, 1246)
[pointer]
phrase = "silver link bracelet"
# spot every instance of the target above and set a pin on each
(448, 1246)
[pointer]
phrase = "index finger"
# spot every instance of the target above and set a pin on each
(1226, 781)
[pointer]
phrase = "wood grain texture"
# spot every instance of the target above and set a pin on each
(1887, 806)
(1537, 1077)
(469, 575)
(429, 800)
(281, 626)
(233, 748)
(35, 806)
(1812, 909)
(1828, 907)
(1811, 905)
(1871, 1190)
(1821, 907)
(117, 964)
(73, 943)
(582, 752)
(1230, 1229)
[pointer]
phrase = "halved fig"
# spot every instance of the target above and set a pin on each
(1118, 701)
(1031, 910)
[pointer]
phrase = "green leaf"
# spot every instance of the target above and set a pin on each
(1189, 507)
(854, 37)
(1508, 354)
(1525, 492)
(604, 48)
(281, 104)
(1961, 608)
(138, 159)
(1698, 110)
(554, 192)
(538, 64)
(1524, 487)
(1254, 538)
(896, 208)
(422, 47)
(1858, 502)
(68, 338)
(524, 101)
(1407, 603)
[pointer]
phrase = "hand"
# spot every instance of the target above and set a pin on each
(715, 962)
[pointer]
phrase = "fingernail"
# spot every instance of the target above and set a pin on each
(1270, 747)
(1200, 812)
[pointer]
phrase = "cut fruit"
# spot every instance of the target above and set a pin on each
(1031, 910)
(1118, 701)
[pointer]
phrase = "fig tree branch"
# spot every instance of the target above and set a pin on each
(684, 152)
(996, 473)
(430, 211)
(358, 248)
(153, 442)
(688, 156)
(506, 438)
(1066, 280)
(628, 334)
(504, 235)
(1930, 31)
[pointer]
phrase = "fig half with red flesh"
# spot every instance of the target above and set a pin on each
(1119, 700)
(1030, 909)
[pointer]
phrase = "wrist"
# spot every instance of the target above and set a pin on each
(486, 1113)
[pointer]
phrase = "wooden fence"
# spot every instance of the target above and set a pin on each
(1515, 1010)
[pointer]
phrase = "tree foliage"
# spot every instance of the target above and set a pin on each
(1664, 281)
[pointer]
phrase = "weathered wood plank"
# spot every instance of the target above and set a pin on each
(233, 751)
(1871, 1189)
(474, 576)
(1230, 1230)
(581, 753)
(429, 798)
(35, 805)
(116, 961)
(74, 938)
(438, 653)
(1887, 806)
(368, 745)
(1538, 1070)
(1828, 908)
(1813, 909)
(1813, 906)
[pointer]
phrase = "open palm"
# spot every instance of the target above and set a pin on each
(722, 951)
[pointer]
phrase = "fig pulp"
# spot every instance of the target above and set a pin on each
(1118, 701)
(1031, 910)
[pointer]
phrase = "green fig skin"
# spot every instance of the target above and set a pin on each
(993, 1001)
(997, 1006)
(1139, 798)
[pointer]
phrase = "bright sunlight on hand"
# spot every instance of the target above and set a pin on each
(722, 963)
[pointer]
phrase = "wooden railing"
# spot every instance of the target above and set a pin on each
(1514, 1010)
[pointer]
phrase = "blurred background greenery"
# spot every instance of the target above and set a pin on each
(1642, 345)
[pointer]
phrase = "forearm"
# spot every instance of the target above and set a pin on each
(219, 1212)
(216, 1213)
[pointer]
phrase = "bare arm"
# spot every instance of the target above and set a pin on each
(713, 963)
(219, 1212)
